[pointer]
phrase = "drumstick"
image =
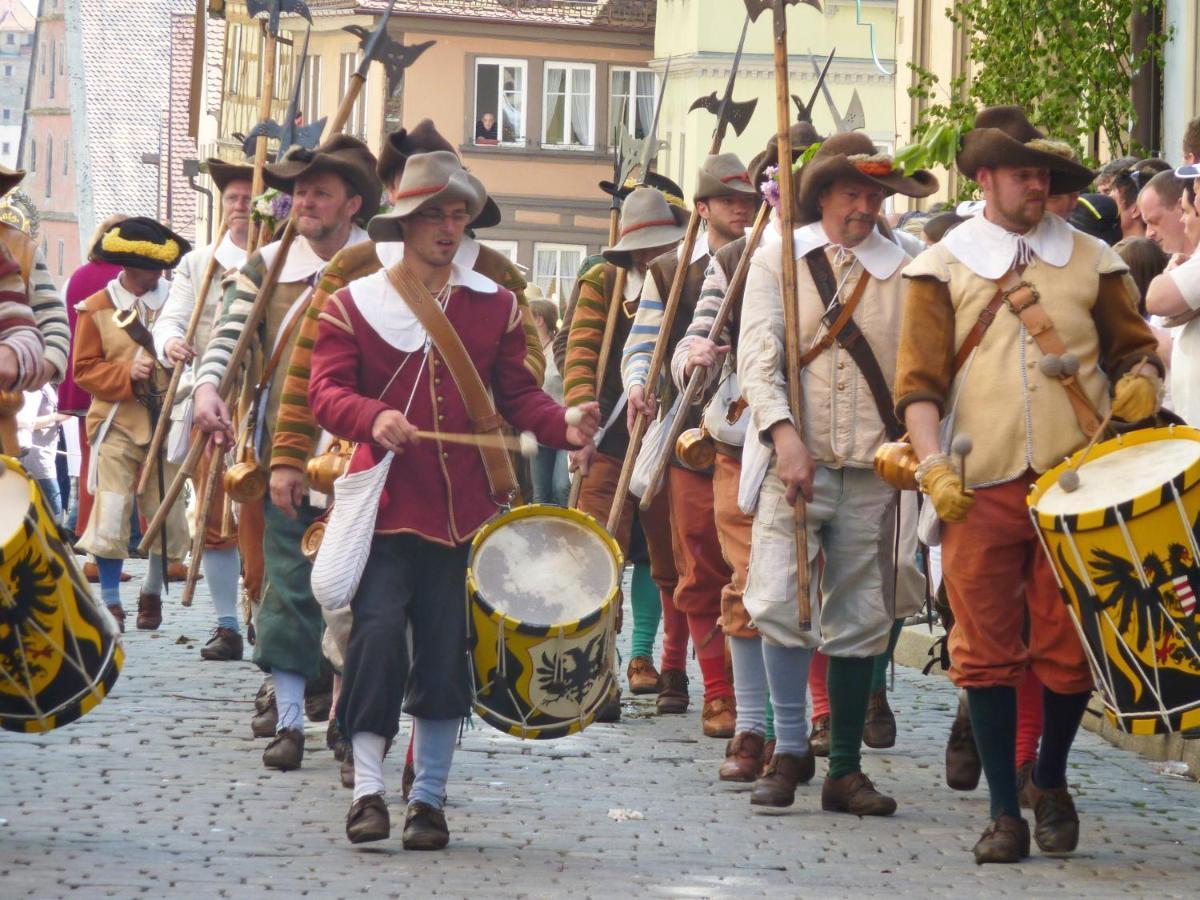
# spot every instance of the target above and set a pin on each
(962, 447)
(1069, 479)
(526, 444)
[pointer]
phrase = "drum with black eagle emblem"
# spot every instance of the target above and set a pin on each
(543, 595)
(60, 650)
(1125, 547)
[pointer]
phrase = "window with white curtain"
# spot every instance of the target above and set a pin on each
(569, 107)
(555, 267)
(310, 90)
(508, 248)
(357, 126)
(632, 96)
(500, 86)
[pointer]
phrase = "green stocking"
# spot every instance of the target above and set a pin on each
(647, 611)
(884, 659)
(849, 687)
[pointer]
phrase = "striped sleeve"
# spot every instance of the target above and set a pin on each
(50, 314)
(296, 429)
(585, 338)
(18, 331)
(535, 357)
(712, 295)
(239, 292)
(639, 348)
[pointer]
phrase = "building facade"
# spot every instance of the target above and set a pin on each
(17, 26)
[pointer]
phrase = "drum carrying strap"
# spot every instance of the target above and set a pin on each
(484, 418)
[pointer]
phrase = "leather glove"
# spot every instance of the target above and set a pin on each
(944, 487)
(1135, 397)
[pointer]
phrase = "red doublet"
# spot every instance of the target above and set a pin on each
(436, 490)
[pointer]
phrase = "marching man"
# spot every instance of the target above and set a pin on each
(378, 377)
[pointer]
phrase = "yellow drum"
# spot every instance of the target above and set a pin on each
(1124, 546)
(60, 651)
(543, 592)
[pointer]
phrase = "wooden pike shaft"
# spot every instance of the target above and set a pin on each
(338, 124)
(791, 323)
(270, 48)
(692, 389)
(225, 390)
(205, 501)
(164, 421)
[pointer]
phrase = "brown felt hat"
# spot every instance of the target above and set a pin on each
(803, 136)
(723, 175)
(223, 173)
(345, 156)
(9, 179)
(854, 155)
(423, 138)
(1003, 136)
(428, 178)
(647, 221)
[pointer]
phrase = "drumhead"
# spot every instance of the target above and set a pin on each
(1120, 476)
(15, 496)
(544, 570)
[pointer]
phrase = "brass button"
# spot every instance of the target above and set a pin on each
(441, 417)
(841, 386)
(441, 399)
(445, 455)
(436, 361)
(841, 365)
(439, 381)
(1033, 387)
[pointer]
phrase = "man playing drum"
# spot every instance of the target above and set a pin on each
(1053, 328)
(376, 380)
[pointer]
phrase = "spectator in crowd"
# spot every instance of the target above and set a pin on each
(941, 225)
(551, 480)
(38, 425)
(1146, 261)
(1124, 186)
(1191, 142)
(1099, 216)
(1159, 204)
(485, 129)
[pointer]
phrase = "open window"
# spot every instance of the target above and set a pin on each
(500, 86)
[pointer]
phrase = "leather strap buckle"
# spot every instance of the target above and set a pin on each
(1033, 297)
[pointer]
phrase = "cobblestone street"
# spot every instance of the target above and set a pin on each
(161, 792)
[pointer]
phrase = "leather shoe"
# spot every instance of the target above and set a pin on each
(1024, 783)
(768, 754)
(368, 820)
(149, 614)
(642, 676)
(92, 573)
(1005, 840)
(346, 772)
(743, 757)
(266, 722)
(177, 571)
(819, 739)
(225, 645)
(118, 613)
(879, 732)
(407, 779)
(855, 794)
(1056, 826)
(719, 718)
(672, 692)
(777, 785)
(963, 767)
(424, 828)
(286, 750)
(318, 695)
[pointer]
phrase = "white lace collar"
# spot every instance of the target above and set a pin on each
(389, 316)
(229, 254)
(879, 256)
(634, 280)
(123, 299)
(302, 262)
(989, 250)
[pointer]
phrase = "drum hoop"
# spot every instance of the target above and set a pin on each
(1106, 516)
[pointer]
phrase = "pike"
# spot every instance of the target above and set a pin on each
(736, 114)
(630, 153)
(791, 324)
(378, 45)
(804, 110)
(855, 118)
(163, 426)
(725, 109)
(289, 134)
(274, 9)
(258, 310)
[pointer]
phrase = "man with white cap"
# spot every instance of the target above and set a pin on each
(378, 376)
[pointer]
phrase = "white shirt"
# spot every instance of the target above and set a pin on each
(1185, 351)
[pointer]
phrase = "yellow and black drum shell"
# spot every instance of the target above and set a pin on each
(543, 594)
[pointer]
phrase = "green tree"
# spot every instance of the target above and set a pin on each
(1067, 62)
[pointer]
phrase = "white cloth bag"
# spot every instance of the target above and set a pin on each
(347, 540)
(651, 450)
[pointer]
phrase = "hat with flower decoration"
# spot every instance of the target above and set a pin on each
(854, 155)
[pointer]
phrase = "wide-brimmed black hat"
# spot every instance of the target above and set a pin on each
(803, 136)
(343, 155)
(668, 188)
(9, 179)
(854, 155)
(141, 243)
(424, 138)
(1097, 215)
(1003, 136)
(223, 173)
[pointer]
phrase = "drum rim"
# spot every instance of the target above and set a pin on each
(536, 510)
(567, 727)
(1104, 517)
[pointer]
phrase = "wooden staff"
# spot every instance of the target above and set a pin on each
(791, 323)
(525, 443)
(264, 114)
(204, 502)
(164, 421)
(692, 389)
(226, 388)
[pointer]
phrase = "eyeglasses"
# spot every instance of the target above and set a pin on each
(437, 217)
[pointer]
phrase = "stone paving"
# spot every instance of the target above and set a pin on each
(160, 792)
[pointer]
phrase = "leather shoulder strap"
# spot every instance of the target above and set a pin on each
(822, 276)
(484, 417)
(986, 317)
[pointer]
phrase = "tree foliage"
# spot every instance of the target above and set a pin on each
(1067, 62)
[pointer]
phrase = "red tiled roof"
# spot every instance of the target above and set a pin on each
(637, 15)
